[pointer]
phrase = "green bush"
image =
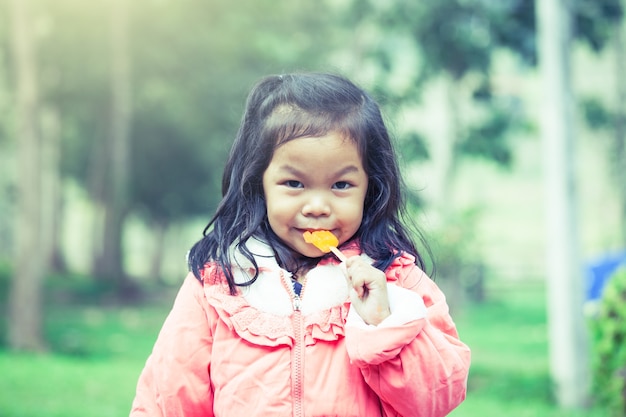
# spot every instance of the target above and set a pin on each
(5, 277)
(459, 267)
(608, 329)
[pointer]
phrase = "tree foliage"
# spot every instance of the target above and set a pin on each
(192, 64)
(460, 37)
(608, 348)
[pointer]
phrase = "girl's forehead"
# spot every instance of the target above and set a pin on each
(324, 142)
(318, 158)
(333, 146)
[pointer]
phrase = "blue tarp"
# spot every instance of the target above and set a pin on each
(600, 270)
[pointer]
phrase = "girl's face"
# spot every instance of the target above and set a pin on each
(315, 183)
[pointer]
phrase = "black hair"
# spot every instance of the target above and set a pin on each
(281, 108)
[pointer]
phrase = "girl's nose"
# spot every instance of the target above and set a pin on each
(316, 205)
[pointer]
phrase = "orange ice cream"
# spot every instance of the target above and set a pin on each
(321, 239)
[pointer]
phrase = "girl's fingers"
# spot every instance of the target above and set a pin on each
(363, 277)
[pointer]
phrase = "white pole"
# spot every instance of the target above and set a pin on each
(565, 295)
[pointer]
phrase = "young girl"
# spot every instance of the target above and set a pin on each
(266, 324)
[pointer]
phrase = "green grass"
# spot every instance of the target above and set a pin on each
(96, 354)
(509, 373)
(59, 386)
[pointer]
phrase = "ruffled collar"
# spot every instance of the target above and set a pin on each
(262, 312)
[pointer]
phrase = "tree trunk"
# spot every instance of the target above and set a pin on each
(566, 323)
(444, 150)
(25, 299)
(160, 232)
(51, 190)
(110, 264)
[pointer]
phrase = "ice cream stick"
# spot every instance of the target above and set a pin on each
(338, 254)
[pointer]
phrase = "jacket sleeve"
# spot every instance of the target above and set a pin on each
(175, 381)
(417, 367)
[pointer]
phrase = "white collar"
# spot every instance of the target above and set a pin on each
(326, 285)
(262, 252)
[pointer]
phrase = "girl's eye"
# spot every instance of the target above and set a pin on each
(293, 184)
(342, 185)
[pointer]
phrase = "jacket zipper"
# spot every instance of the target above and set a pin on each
(298, 359)
(297, 365)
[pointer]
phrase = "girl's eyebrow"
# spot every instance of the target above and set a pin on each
(296, 171)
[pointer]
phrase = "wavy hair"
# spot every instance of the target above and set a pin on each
(281, 108)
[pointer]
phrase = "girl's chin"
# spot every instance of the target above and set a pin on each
(308, 252)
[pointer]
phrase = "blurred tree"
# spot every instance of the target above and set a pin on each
(53, 258)
(7, 154)
(600, 116)
(25, 315)
(173, 180)
(454, 42)
(116, 159)
(78, 86)
(457, 38)
(595, 21)
(193, 63)
(189, 101)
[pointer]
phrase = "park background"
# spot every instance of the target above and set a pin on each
(116, 117)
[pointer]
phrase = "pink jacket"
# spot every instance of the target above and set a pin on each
(267, 352)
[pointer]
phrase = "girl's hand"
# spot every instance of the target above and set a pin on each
(369, 297)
